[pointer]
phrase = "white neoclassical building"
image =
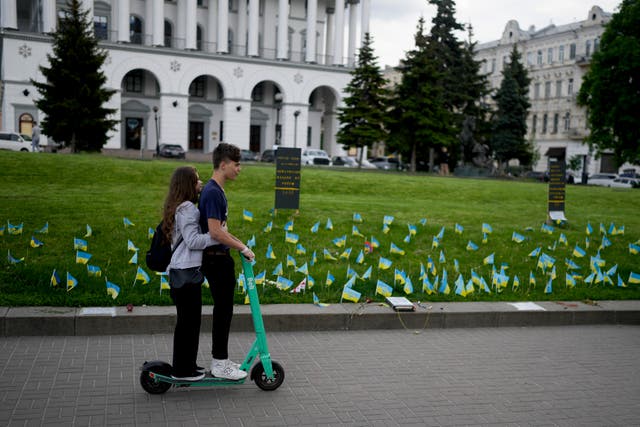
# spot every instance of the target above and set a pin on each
(557, 58)
(255, 73)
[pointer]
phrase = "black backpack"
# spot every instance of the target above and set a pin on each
(160, 253)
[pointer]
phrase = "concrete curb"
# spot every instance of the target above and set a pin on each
(69, 321)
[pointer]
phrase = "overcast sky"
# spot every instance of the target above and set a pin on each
(393, 22)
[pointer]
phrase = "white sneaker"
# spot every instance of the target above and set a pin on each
(226, 369)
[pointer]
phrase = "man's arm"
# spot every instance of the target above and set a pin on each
(220, 234)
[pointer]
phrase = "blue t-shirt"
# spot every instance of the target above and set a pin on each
(213, 204)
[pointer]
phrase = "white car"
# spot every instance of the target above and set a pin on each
(625, 183)
(14, 142)
(313, 156)
(602, 179)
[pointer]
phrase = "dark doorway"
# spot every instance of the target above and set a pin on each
(254, 138)
(133, 133)
(196, 135)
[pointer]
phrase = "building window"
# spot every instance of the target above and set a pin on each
(556, 119)
(558, 88)
(308, 136)
(572, 51)
(505, 61)
(221, 130)
(544, 123)
(25, 124)
(534, 123)
(168, 33)
(198, 86)
(570, 87)
(550, 55)
(198, 37)
(530, 58)
(135, 30)
(587, 48)
(596, 44)
(257, 93)
(561, 53)
(101, 27)
(493, 65)
(547, 90)
(539, 58)
(536, 91)
(133, 81)
(567, 121)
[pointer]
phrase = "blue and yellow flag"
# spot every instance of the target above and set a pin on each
(459, 288)
(89, 232)
(569, 281)
(442, 259)
(247, 215)
(486, 228)
(435, 243)
(205, 284)
(328, 256)
(43, 230)
(300, 250)
(367, 273)
(440, 234)
(350, 294)
(94, 271)
(15, 229)
(55, 278)
(314, 259)
(634, 249)
(35, 243)
(589, 229)
(374, 243)
(357, 217)
(267, 228)
(340, 241)
(605, 242)
(330, 279)
(329, 225)
(444, 285)
(408, 285)
(316, 301)
(548, 289)
(545, 228)
(385, 229)
(291, 237)
(356, 232)
(79, 244)
(578, 252)
(82, 257)
(488, 259)
(288, 226)
(394, 249)
(383, 289)
(399, 277)
(134, 258)
(427, 286)
(563, 239)
(142, 276)
(388, 219)
(2, 230)
(634, 278)
(571, 265)
(278, 270)
(485, 237)
(260, 278)
(131, 247)
(621, 283)
(315, 227)
(283, 283)
(310, 281)
(164, 283)
(517, 237)
(251, 243)
(304, 269)
(71, 282)
(345, 254)
(113, 289)
(413, 230)
(458, 228)
(270, 254)
(360, 257)
(471, 246)
(127, 222)
(384, 263)
(150, 233)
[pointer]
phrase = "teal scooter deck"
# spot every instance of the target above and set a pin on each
(155, 377)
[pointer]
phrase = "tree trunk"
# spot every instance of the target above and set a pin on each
(361, 155)
(414, 154)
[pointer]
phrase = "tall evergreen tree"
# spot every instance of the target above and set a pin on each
(73, 96)
(420, 120)
(363, 118)
(509, 123)
(611, 88)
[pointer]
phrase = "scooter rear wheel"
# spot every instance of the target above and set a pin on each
(151, 385)
(261, 380)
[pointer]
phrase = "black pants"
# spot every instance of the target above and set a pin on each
(188, 301)
(220, 272)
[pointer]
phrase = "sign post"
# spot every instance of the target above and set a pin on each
(557, 177)
(287, 178)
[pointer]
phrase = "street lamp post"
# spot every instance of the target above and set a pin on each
(277, 100)
(155, 114)
(295, 128)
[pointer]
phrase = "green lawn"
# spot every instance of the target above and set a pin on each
(70, 192)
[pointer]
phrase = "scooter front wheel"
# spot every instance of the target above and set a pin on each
(258, 375)
(153, 386)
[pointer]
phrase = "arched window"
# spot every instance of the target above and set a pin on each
(168, 33)
(135, 29)
(25, 123)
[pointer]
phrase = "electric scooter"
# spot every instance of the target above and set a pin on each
(155, 377)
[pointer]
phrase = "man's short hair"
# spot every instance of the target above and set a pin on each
(225, 152)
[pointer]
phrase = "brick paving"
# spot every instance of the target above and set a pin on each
(536, 376)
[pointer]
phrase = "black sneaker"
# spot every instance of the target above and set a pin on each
(194, 376)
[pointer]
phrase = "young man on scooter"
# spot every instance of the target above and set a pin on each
(217, 263)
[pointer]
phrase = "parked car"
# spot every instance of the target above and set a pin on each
(248, 156)
(346, 161)
(602, 179)
(268, 156)
(388, 163)
(14, 142)
(537, 175)
(625, 182)
(313, 156)
(174, 151)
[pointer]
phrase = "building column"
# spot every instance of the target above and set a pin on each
(180, 33)
(312, 16)
(283, 30)
(212, 26)
(364, 24)
(123, 21)
(9, 14)
(338, 48)
(148, 23)
(174, 121)
(223, 26)
(353, 24)
(254, 27)
(328, 47)
(191, 25)
(158, 22)
(241, 35)
(49, 18)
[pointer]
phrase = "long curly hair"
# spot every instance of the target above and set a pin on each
(181, 188)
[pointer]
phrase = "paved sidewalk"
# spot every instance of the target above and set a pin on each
(539, 376)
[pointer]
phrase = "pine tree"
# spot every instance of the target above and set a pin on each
(420, 120)
(509, 123)
(363, 118)
(73, 95)
(611, 88)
